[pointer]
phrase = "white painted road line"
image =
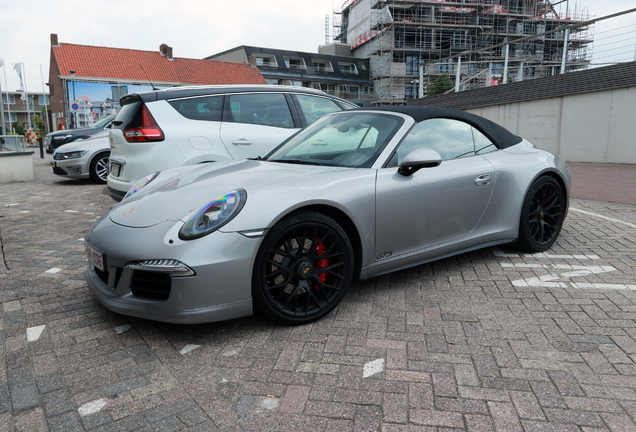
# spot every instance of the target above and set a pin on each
(502, 254)
(91, 407)
(53, 270)
(122, 328)
(603, 217)
(186, 349)
(373, 367)
(34, 333)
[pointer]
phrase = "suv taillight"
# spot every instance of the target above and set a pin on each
(148, 131)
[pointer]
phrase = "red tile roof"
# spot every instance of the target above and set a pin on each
(136, 65)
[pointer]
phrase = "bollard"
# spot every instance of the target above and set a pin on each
(41, 148)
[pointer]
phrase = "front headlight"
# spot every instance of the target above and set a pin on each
(214, 215)
(141, 184)
(71, 155)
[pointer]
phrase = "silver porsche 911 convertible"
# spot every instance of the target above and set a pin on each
(356, 194)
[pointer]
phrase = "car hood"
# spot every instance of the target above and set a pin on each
(94, 142)
(175, 194)
(75, 132)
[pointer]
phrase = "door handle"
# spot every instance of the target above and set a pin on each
(483, 180)
(242, 142)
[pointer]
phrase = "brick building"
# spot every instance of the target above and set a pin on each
(71, 64)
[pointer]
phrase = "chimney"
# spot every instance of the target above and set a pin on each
(54, 41)
(162, 49)
(169, 53)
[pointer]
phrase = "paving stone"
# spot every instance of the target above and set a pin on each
(593, 339)
(114, 389)
(57, 402)
(67, 422)
(24, 398)
(20, 377)
(49, 382)
(437, 418)
(93, 421)
(5, 404)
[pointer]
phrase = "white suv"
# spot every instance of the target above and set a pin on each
(169, 128)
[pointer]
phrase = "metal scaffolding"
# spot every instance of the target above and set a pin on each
(400, 35)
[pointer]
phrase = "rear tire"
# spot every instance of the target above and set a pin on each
(303, 269)
(99, 167)
(542, 215)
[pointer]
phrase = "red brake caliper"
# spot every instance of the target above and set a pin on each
(322, 263)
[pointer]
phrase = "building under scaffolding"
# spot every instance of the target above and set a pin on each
(400, 35)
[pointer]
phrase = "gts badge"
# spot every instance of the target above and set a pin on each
(384, 255)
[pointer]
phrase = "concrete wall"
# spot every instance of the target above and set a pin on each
(16, 166)
(595, 127)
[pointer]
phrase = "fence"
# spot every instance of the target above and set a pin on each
(14, 143)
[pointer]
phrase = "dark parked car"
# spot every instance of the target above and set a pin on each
(56, 139)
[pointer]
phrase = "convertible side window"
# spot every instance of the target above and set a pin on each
(260, 108)
(483, 145)
(452, 139)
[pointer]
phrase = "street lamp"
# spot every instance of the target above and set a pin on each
(3, 128)
(74, 111)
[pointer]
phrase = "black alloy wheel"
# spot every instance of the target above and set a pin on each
(303, 269)
(99, 167)
(542, 215)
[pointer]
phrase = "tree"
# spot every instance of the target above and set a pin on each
(440, 86)
(19, 128)
(39, 124)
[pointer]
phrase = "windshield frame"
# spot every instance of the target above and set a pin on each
(301, 137)
(103, 121)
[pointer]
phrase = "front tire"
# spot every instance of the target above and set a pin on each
(303, 269)
(542, 215)
(99, 167)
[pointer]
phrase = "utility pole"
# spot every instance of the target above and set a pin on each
(3, 127)
(565, 39)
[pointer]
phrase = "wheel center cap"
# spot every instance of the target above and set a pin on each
(304, 269)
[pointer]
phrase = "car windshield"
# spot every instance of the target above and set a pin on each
(102, 122)
(348, 139)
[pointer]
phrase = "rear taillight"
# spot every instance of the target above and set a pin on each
(148, 131)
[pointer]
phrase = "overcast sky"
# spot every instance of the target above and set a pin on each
(199, 28)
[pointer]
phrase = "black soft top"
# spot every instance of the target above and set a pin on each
(499, 135)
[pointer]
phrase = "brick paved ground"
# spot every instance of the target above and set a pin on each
(604, 182)
(491, 340)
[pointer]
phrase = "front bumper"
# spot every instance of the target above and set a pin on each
(73, 168)
(118, 188)
(220, 290)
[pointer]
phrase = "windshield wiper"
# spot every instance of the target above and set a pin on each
(294, 161)
(257, 158)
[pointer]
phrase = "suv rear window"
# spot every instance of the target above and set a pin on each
(129, 116)
(207, 108)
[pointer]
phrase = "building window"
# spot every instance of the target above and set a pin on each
(265, 60)
(327, 88)
(30, 99)
(294, 83)
(11, 99)
(118, 91)
(322, 65)
(363, 66)
(13, 118)
(43, 100)
(295, 63)
(348, 68)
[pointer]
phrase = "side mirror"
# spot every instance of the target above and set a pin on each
(418, 159)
